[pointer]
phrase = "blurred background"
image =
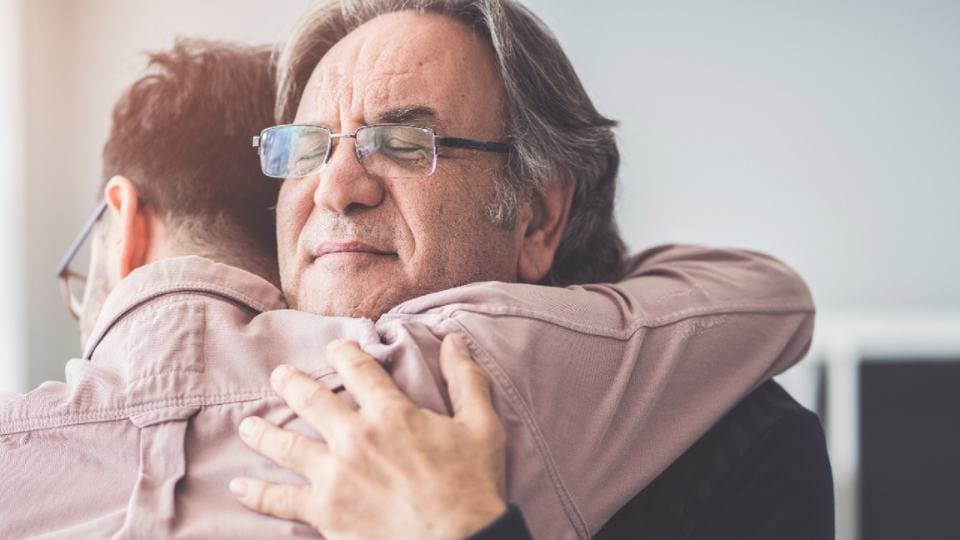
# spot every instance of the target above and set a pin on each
(825, 133)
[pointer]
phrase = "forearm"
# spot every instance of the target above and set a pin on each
(602, 386)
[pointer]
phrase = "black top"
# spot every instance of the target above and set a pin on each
(761, 472)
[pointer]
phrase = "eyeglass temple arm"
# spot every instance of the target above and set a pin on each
(454, 142)
(84, 232)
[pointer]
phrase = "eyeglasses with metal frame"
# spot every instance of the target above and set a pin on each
(72, 282)
(385, 150)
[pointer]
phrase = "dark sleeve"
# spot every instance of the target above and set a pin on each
(782, 488)
(509, 526)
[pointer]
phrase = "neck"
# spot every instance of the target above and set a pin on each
(241, 254)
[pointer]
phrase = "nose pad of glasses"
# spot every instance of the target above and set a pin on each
(365, 144)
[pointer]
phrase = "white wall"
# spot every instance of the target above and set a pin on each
(825, 132)
(12, 323)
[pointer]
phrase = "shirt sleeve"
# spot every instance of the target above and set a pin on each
(601, 386)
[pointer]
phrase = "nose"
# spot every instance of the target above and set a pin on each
(344, 185)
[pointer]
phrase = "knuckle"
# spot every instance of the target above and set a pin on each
(395, 412)
(277, 500)
(291, 448)
(317, 498)
(255, 497)
(360, 438)
(340, 350)
(491, 433)
(311, 397)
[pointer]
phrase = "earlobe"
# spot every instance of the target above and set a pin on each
(550, 207)
(131, 223)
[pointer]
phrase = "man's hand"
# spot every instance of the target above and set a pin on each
(389, 469)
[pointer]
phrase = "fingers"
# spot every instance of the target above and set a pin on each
(279, 500)
(362, 375)
(286, 448)
(311, 400)
(468, 385)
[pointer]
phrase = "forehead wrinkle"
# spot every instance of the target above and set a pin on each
(316, 104)
(377, 70)
(367, 82)
(394, 68)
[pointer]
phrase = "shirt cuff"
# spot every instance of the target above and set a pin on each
(509, 526)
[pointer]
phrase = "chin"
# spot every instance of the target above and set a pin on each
(355, 294)
(332, 305)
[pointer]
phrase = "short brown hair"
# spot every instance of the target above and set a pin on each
(182, 134)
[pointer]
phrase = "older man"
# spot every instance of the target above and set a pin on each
(499, 147)
(182, 346)
(476, 155)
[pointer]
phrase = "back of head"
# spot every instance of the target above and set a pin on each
(556, 131)
(182, 134)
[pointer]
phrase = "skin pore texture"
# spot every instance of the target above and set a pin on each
(429, 233)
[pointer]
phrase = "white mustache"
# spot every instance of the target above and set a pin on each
(343, 229)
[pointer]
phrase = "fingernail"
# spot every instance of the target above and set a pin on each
(248, 427)
(238, 487)
(458, 344)
(281, 374)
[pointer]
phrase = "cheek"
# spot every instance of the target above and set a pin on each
(455, 240)
(294, 205)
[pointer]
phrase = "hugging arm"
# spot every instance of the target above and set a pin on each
(600, 387)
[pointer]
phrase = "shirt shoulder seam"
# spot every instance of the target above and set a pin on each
(123, 412)
(781, 307)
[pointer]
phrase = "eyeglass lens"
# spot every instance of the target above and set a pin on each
(74, 280)
(74, 287)
(388, 151)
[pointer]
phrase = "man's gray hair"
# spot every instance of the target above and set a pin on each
(556, 131)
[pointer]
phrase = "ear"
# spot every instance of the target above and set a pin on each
(547, 219)
(131, 224)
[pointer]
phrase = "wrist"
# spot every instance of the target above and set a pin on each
(475, 518)
(509, 526)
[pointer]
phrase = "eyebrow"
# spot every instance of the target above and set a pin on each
(403, 115)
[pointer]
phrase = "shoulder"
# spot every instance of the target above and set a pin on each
(781, 486)
(761, 470)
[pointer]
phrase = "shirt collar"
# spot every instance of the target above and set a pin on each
(183, 274)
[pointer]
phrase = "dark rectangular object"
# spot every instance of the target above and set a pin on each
(909, 449)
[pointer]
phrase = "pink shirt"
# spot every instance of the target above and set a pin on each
(599, 387)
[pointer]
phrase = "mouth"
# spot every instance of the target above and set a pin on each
(353, 248)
